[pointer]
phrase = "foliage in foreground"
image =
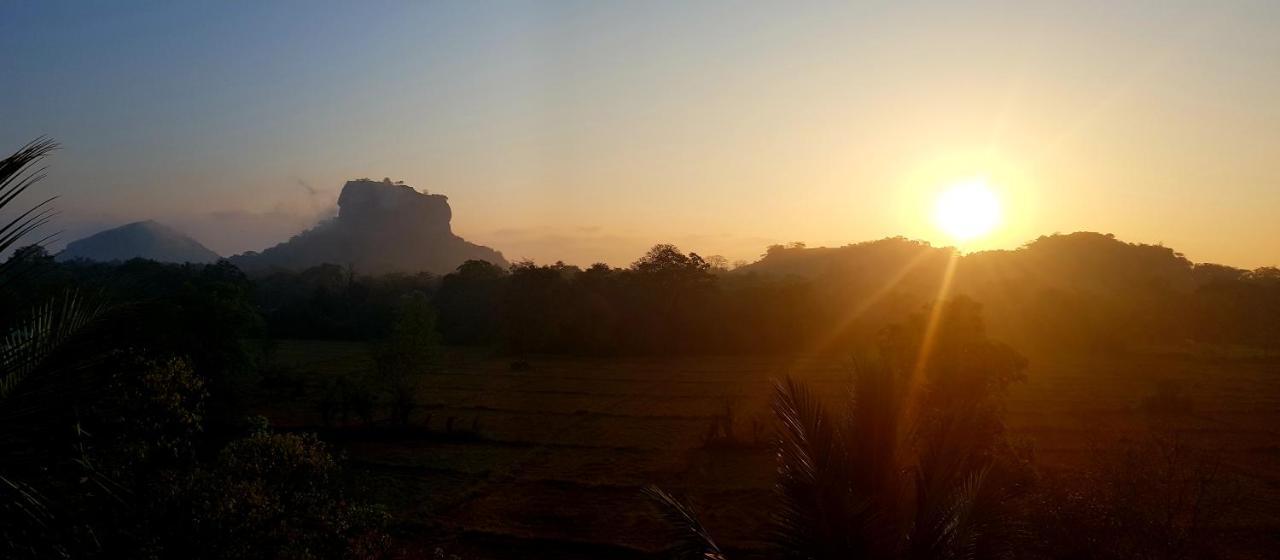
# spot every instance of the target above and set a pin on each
(103, 450)
(909, 467)
(915, 464)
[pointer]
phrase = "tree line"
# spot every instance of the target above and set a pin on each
(669, 301)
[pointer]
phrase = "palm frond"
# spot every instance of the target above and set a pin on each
(24, 500)
(692, 541)
(35, 374)
(40, 379)
(16, 177)
(13, 169)
(808, 437)
(823, 512)
(806, 441)
(30, 344)
(948, 526)
(25, 223)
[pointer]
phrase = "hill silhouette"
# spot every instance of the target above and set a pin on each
(381, 227)
(1080, 290)
(1078, 261)
(146, 239)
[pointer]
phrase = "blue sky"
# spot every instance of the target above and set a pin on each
(586, 131)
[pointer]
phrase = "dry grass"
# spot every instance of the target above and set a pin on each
(565, 446)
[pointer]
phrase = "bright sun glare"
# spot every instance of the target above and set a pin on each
(967, 210)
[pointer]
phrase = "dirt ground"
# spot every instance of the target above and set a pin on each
(550, 460)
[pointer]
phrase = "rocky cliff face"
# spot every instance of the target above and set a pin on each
(380, 227)
(146, 240)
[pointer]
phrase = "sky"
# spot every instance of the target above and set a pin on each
(588, 131)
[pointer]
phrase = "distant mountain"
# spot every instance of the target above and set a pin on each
(1083, 290)
(380, 227)
(1077, 261)
(147, 240)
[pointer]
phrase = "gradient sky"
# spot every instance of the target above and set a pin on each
(588, 131)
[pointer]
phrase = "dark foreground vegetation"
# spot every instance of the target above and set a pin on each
(121, 426)
(130, 393)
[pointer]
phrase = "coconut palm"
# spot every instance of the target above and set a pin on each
(872, 481)
(34, 374)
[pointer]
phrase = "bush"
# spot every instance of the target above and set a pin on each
(277, 496)
(156, 413)
(411, 351)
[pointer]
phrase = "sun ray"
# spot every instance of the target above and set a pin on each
(931, 331)
(827, 340)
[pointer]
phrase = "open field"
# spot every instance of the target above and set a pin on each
(552, 459)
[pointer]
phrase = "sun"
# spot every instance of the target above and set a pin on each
(967, 210)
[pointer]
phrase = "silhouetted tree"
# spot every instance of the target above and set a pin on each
(467, 302)
(408, 353)
(537, 306)
(673, 294)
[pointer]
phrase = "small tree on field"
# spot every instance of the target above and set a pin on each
(411, 351)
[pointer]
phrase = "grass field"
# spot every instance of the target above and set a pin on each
(551, 461)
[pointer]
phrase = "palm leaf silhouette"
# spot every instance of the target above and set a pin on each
(871, 482)
(16, 176)
(36, 372)
(28, 346)
(691, 540)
